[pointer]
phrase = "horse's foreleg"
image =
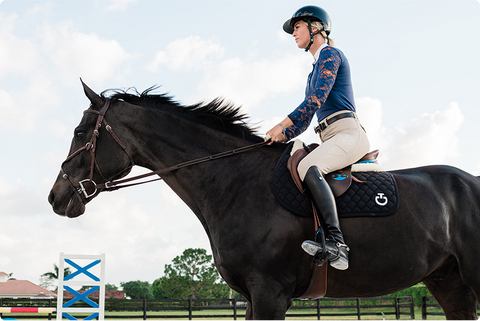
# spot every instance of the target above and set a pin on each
(269, 301)
(249, 312)
(456, 298)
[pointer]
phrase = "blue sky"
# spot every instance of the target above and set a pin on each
(415, 69)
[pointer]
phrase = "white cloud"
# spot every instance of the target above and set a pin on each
(428, 139)
(118, 5)
(41, 9)
(285, 37)
(5, 187)
(188, 53)
(8, 109)
(370, 113)
(77, 54)
(16, 55)
(20, 111)
(249, 83)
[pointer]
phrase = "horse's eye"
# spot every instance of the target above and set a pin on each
(79, 135)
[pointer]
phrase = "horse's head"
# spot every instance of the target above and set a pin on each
(96, 157)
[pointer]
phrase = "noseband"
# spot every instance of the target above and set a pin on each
(109, 185)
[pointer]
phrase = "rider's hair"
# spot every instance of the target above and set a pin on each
(319, 26)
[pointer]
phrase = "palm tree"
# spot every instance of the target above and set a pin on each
(56, 273)
(47, 280)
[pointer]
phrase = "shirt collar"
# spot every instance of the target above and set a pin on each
(317, 54)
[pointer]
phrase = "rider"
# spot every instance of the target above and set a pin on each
(329, 95)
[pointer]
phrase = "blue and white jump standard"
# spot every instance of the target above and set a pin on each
(97, 282)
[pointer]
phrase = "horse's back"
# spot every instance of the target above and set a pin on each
(439, 206)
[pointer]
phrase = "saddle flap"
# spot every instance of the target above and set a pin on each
(292, 165)
(339, 181)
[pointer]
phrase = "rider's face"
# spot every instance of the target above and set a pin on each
(301, 34)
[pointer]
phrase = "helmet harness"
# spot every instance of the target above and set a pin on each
(312, 34)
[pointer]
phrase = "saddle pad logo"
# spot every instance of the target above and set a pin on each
(339, 177)
(381, 199)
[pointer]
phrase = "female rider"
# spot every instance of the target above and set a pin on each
(329, 95)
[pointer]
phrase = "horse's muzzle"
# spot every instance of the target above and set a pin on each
(69, 206)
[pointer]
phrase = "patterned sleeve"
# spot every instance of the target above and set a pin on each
(329, 63)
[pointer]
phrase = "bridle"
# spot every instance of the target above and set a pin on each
(112, 185)
(91, 147)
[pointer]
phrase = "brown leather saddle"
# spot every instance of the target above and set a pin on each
(339, 182)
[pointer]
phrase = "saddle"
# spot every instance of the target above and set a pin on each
(339, 181)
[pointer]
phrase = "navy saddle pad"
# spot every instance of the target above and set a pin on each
(377, 196)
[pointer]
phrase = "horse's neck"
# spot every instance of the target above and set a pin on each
(167, 140)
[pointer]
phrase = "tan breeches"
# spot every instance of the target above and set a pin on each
(343, 143)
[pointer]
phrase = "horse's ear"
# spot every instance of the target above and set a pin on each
(95, 99)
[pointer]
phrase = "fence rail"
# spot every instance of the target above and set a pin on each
(431, 307)
(231, 308)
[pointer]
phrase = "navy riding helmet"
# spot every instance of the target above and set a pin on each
(309, 14)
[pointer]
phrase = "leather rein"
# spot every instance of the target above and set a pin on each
(112, 185)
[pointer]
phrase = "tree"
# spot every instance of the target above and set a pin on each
(195, 265)
(137, 289)
(48, 279)
(109, 287)
(56, 273)
(191, 275)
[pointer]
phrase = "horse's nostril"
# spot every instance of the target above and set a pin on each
(51, 197)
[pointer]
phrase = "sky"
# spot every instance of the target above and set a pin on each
(415, 70)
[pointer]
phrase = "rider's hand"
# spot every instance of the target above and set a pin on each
(275, 134)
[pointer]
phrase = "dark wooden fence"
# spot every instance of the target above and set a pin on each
(324, 308)
(430, 307)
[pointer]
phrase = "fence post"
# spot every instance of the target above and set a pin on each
(318, 309)
(359, 315)
(144, 309)
(190, 309)
(424, 308)
(412, 311)
(50, 305)
(397, 308)
(234, 309)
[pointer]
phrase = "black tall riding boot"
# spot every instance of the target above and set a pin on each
(322, 196)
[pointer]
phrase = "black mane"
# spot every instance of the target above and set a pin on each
(216, 114)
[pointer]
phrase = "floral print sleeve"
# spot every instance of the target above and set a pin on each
(329, 63)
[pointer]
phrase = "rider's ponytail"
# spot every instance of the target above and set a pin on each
(319, 26)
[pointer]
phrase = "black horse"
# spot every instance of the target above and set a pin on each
(433, 238)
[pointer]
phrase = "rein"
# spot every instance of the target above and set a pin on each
(114, 185)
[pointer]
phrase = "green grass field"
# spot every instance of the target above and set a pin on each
(227, 314)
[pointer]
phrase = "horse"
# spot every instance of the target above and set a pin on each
(256, 243)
